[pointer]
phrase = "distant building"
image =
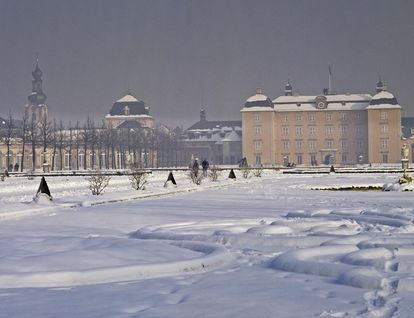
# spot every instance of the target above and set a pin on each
(217, 141)
(128, 111)
(322, 129)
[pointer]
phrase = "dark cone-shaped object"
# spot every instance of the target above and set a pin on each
(43, 187)
(332, 169)
(171, 178)
(232, 175)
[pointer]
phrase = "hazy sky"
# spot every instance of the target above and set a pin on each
(179, 55)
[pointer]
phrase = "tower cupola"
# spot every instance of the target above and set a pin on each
(380, 86)
(202, 115)
(288, 89)
(37, 97)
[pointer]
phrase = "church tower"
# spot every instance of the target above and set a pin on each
(36, 109)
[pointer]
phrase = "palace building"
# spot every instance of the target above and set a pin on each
(218, 141)
(128, 111)
(342, 129)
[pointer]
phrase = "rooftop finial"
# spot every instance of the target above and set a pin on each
(259, 91)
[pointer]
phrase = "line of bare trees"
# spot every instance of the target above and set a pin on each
(86, 145)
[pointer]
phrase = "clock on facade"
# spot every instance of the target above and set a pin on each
(320, 102)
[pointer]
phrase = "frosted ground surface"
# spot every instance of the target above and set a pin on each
(261, 247)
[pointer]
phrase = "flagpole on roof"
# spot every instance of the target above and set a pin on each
(329, 78)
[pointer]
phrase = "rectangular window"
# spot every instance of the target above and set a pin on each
(258, 159)
(329, 144)
(285, 145)
(343, 116)
(328, 130)
(384, 129)
(311, 117)
(257, 145)
(344, 130)
(344, 159)
(359, 144)
(328, 117)
(384, 143)
(384, 115)
(299, 131)
(312, 130)
(258, 131)
(299, 160)
(358, 130)
(344, 144)
(312, 145)
(385, 158)
(285, 117)
(298, 144)
(256, 117)
(285, 131)
(357, 116)
(298, 116)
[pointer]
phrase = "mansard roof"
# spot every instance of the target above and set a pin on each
(135, 107)
(384, 99)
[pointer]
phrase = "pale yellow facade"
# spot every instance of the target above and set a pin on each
(327, 129)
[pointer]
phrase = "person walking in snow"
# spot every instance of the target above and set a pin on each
(196, 167)
(205, 166)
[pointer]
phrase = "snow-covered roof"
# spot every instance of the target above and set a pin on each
(329, 98)
(383, 99)
(128, 98)
(231, 137)
(258, 100)
(257, 109)
(334, 102)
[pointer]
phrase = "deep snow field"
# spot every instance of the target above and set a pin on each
(256, 247)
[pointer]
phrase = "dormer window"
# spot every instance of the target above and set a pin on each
(126, 111)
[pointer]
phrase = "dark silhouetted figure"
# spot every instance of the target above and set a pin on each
(232, 175)
(196, 167)
(170, 178)
(205, 166)
(332, 170)
(43, 187)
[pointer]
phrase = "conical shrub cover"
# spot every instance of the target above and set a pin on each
(43, 187)
(232, 175)
(171, 178)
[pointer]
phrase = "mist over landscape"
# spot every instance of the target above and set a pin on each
(178, 56)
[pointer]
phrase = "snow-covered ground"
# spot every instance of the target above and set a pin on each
(256, 247)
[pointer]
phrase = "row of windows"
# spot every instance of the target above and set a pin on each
(313, 161)
(329, 144)
(329, 130)
(328, 116)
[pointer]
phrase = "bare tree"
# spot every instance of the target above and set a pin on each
(54, 144)
(138, 178)
(98, 183)
(45, 135)
(61, 143)
(77, 144)
(33, 137)
(70, 145)
(6, 135)
(24, 140)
